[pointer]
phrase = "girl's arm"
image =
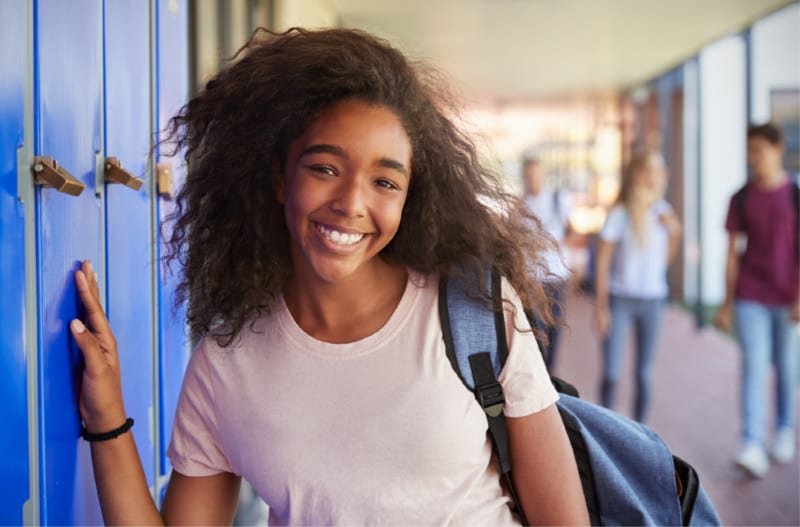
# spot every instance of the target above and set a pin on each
(121, 485)
(544, 471)
(724, 317)
(209, 500)
(674, 228)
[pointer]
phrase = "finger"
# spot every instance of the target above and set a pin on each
(91, 275)
(94, 311)
(92, 353)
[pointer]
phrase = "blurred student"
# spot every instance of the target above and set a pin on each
(553, 209)
(761, 293)
(638, 240)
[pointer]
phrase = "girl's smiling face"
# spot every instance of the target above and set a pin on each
(345, 183)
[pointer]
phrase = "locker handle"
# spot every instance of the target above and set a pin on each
(164, 174)
(116, 174)
(49, 174)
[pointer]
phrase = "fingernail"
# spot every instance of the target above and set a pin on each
(89, 265)
(95, 276)
(77, 326)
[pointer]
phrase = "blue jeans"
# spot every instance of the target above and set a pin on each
(766, 335)
(645, 315)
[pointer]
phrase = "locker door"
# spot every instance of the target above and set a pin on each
(14, 484)
(172, 78)
(67, 106)
(129, 249)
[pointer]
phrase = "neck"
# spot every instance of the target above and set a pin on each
(348, 309)
(771, 179)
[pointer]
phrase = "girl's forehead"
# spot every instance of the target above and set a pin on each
(356, 117)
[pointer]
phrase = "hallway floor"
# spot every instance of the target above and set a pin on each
(695, 409)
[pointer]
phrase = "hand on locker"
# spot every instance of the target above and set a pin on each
(101, 405)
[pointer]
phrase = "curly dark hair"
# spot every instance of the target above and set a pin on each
(228, 231)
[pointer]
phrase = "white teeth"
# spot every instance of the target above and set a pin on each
(340, 238)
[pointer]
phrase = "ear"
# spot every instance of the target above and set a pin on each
(278, 181)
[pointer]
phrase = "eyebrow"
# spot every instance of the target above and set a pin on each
(386, 162)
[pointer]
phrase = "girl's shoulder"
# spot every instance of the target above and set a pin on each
(617, 216)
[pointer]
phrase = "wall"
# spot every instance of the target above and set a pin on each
(775, 56)
(691, 179)
(305, 13)
(723, 124)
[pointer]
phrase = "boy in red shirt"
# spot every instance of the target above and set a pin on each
(762, 293)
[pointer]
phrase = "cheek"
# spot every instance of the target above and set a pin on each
(300, 197)
(776, 156)
(392, 214)
(296, 208)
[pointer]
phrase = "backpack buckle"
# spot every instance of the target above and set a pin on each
(491, 399)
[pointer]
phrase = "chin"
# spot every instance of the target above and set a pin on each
(336, 273)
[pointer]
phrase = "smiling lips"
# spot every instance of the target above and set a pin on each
(338, 237)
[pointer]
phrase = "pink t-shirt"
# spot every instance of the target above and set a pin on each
(378, 431)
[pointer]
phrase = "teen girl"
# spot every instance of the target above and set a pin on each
(328, 191)
(639, 239)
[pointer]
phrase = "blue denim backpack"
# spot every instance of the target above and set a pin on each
(628, 474)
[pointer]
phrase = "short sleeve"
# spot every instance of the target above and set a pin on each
(194, 449)
(526, 383)
(614, 226)
(732, 221)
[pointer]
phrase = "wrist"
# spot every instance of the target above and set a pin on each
(109, 434)
(111, 420)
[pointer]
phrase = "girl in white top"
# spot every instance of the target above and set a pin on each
(639, 239)
(328, 191)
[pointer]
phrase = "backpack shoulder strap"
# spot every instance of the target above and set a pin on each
(470, 329)
(738, 203)
(475, 342)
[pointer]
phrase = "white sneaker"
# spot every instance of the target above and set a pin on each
(753, 460)
(783, 446)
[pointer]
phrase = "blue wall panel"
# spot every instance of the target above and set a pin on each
(69, 229)
(172, 35)
(14, 484)
(129, 251)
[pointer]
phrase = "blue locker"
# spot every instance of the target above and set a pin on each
(67, 106)
(14, 485)
(172, 79)
(130, 254)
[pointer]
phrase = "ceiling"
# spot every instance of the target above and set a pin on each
(498, 50)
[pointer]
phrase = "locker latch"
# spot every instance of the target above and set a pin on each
(49, 174)
(116, 174)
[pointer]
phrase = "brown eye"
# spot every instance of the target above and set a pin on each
(323, 169)
(385, 183)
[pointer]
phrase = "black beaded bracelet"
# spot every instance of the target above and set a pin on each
(105, 436)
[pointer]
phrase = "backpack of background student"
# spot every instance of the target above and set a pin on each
(628, 475)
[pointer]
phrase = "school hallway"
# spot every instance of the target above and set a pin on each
(695, 409)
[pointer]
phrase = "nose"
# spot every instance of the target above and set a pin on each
(350, 199)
